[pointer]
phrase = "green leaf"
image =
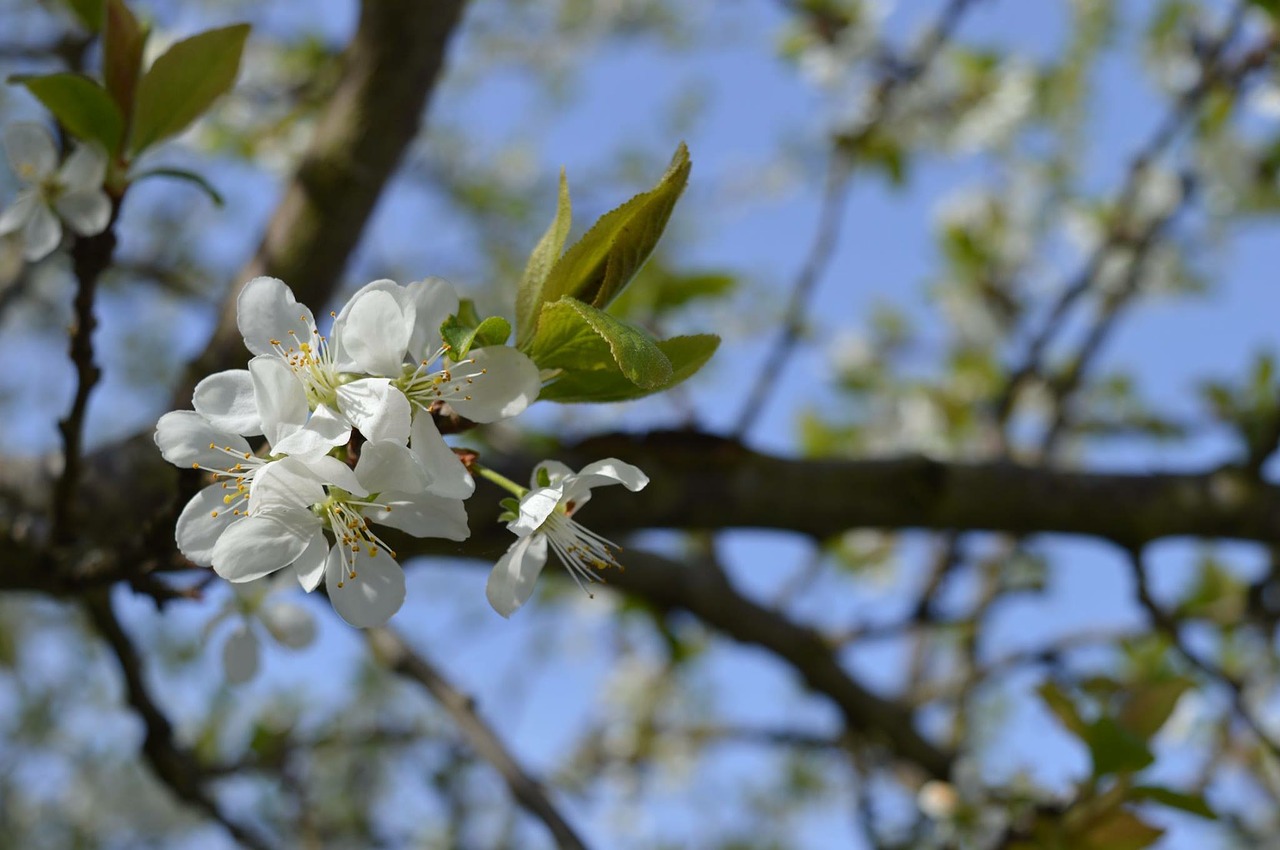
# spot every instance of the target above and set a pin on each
(89, 13)
(462, 336)
(182, 84)
(1271, 7)
(1193, 803)
(1118, 830)
(189, 176)
(1115, 749)
(1147, 706)
(658, 290)
(1063, 708)
(81, 105)
(574, 336)
(596, 268)
(687, 354)
(543, 258)
(123, 40)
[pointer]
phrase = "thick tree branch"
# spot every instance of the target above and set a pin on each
(389, 71)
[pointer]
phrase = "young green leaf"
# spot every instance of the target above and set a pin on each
(687, 354)
(182, 84)
(188, 176)
(543, 258)
(88, 12)
(1193, 803)
(462, 336)
(596, 268)
(123, 39)
(575, 336)
(81, 105)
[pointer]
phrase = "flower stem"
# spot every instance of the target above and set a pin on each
(501, 480)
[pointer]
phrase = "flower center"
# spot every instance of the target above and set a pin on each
(581, 550)
(235, 477)
(424, 387)
(309, 357)
(345, 520)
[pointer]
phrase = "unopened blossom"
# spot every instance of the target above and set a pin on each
(546, 520)
(52, 195)
(298, 502)
(394, 331)
(257, 606)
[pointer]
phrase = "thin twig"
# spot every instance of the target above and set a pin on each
(172, 764)
(397, 655)
(835, 194)
(90, 257)
(1169, 627)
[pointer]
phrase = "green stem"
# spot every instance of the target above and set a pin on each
(501, 480)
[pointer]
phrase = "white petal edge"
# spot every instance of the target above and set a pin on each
(85, 170)
(184, 436)
(227, 400)
(373, 596)
(309, 568)
(257, 546)
(290, 624)
(31, 151)
(197, 529)
(422, 515)
(86, 212)
(376, 333)
(267, 310)
(41, 235)
(377, 409)
(505, 382)
(446, 475)
(512, 580)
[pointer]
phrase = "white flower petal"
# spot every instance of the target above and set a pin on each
(240, 656)
(31, 151)
(504, 383)
(376, 333)
(309, 568)
(385, 465)
(256, 546)
(422, 515)
(375, 593)
(341, 358)
(535, 507)
(198, 529)
(511, 583)
(86, 212)
(41, 235)
(85, 170)
(267, 310)
(434, 300)
(290, 624)
(184, 439)
(446, 476)
(577, 488)
(17, 214)
(332, 471)
(377, 409)
(226, 399)
(287, 484)
(324, 430)
(279, 396)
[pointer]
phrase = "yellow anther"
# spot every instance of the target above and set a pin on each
(213, 513)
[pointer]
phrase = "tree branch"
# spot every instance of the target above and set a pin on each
(397, 655)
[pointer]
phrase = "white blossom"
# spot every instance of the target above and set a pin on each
(257, 606)
(546, 520)
(71, 193)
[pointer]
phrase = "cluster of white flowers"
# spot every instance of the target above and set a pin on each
(348, 440)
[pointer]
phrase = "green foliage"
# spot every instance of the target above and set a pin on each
(88, 12)
(467, 330)
(182, 84)
(596, 268)
(576, 337)
(659, 290)
(541, 261)
(123, 40)
(80, 104)
(687, 354)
